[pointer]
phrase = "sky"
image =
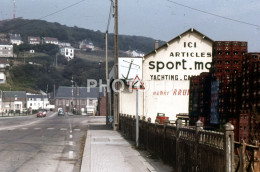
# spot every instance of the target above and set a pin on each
(158, 19)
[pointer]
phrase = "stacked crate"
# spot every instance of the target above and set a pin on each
(227, 66)
(194, 100)
(244, 126)
(199, 100)
(250, 96)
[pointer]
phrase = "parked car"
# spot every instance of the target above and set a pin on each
(41, 114)
(61, 112)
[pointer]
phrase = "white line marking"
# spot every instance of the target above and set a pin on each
(37, 128)
(63, 129)
(50, 128)
(70, 143)
(70, 131)
(70, 136)
(24, 128)
(76, 129)
(70, 154)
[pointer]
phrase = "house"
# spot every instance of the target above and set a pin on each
(64, 44)
(50, 40)
(80, 99)
(6, 50)
(135, 53)
(4, 63)
(4, 38)
(13, 101)
(86, 45)
(68, 52)
(15, 39)
(34, 40)
(37, 101)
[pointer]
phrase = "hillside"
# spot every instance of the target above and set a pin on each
(74, 34)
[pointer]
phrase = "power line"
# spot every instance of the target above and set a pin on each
(216, 15)
(61, 9)
(48, 15)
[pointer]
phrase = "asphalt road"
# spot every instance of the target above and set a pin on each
(50, 144)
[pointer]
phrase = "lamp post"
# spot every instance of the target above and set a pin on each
(15, 98)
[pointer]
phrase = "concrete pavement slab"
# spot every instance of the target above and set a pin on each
(107, 151)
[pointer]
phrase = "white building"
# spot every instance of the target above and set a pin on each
(50, 40)
(6, 51)
(2, 78)
(85, 45)
(15, 39)
(135, 53)
(166, 74)
(37, 101)
(68, 52)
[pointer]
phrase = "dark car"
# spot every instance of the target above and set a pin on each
(41, 114)
(61, 112)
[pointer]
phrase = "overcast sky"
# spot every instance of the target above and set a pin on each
(159, 19)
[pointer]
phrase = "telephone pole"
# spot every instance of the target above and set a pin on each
(116, 96)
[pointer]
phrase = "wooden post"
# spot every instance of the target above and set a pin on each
(178, 125)
(229, 147)
(242, 157)
(199, 126)
(257, 158)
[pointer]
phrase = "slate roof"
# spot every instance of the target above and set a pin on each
(50, 39)
(36, 96)
(13, 94)
(83, 92)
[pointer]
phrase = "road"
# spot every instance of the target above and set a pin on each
(50, 144)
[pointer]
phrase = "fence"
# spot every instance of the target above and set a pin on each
(248, 157)
(186, 149)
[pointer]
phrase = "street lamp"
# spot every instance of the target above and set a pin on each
(15, 98)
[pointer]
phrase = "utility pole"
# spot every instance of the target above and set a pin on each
(116, 96)
(107, 79)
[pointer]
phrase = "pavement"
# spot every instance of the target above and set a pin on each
(106, 150)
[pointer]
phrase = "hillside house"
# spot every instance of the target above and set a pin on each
(13, 101)
(64, 44)
(3, 38)
(37, 101)
(34, 40)
(81, 99)
(50, 40)
(135, 53)
(6, 51)
(15, 39)
(68, 52)
(4, 63)
(86, 45)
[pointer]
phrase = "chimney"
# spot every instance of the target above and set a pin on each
(156, 44)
